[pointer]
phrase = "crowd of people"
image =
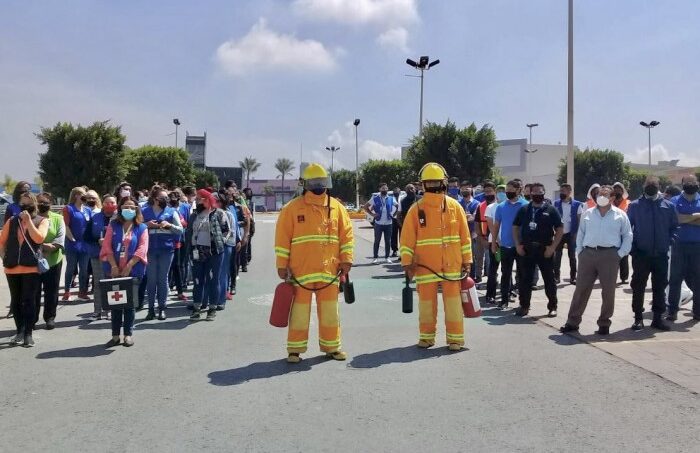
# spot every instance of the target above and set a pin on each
(160, 240)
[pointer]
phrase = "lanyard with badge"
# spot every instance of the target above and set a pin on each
(533, 224)
(121, 247)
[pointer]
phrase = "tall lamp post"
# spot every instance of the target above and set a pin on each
(332, 149)
(570, 102)
(649, 127)
(357, 166)
(176, 122)
(530, 152)
(423, 65)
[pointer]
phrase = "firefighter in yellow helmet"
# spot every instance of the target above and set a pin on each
(313, 243)
(436, 249)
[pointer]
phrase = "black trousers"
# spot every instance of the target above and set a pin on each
(249, 250)
(23, 289)
(234, 267)
(642, 266)
(395, 233)
(509, 257)
(570, 241)
(624, 269)
(492, 274)
(49, 283)
(534, 258)
(175, 273)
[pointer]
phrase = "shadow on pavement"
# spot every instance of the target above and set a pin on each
(497, 317)
(385, 277)
(177, 324)
(82, 351)
(404, 354)
(262, 370)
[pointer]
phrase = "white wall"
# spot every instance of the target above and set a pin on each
(542, 166)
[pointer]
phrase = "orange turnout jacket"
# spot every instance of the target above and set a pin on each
(438, 238)
(312, 240)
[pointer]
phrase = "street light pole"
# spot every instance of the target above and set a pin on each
(649, 127)
(357, 166)
(422, 65)
(176, 122)
(332, 149)
(529, 152)
(570, 102)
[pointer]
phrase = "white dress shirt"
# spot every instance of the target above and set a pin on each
(612, 230)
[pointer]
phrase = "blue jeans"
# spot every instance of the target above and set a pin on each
(157, 275)
(685, 265)
(79, 259)
(225, 275)
(128, 314)
(206, 280)
(380, 230)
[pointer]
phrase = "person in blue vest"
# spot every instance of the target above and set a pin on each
(177, 275)
(382, 208)
(94, 235)
(164, 228)
(124, 253)
(76, 216)
(470, 206)
(14, 208)
(570, 212)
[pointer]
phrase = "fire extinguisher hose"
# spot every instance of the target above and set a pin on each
(332, 282)
(449, 279)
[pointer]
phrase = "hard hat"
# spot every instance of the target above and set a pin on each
(314, 171)
(432, 172)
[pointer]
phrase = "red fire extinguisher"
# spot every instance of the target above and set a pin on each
(282, 305)
(470, 299)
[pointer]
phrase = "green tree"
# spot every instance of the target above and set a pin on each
(78, 155)
(634, 182)
(602, 166)
(467, 153)
(8, 183)
(393, 172)
(163, 164)
(285, 167)
(204, 178)
(249, 165)
(344, 185)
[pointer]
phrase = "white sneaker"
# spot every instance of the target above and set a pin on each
(376, 261)
(389, 261)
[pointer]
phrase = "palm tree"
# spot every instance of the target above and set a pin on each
(249, 165)
(9, 183)
(285, 167)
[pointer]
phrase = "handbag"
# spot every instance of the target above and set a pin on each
(41, 263)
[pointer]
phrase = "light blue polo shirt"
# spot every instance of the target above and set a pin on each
(505, 215)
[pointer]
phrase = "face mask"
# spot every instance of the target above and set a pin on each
(26, 207)
(128, 214)
(321, 191)
(511, 195)
(563, 196)
(538, 198)
(383, 192)
(143, 200)
(162, 203)
(125, 193)
(602, 201)
(690, 189)
(501, 196)
(651, 190)
(109, 209)
(44, 207)
(91, 203)
(467, 193)
(173, 203)
(527, 197)
(201, 208)
(490, 198)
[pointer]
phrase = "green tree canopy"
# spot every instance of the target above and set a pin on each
(204, 178)
(163, 164)
(78, 155)
(467, 153)
(393, 172)
(344, 185)
(602, 166)
(9, 183)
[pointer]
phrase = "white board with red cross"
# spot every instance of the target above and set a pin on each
(117, 293)
(117, 297)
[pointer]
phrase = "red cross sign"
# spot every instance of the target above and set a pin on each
(114, 297)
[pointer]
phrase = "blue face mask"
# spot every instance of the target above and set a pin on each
(129, 214)
(501, 196)
(453, 191)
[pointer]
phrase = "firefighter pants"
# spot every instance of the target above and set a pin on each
(427, 311)
(328, 319)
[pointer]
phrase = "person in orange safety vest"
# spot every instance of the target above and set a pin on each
(313, 244)
(436, 249)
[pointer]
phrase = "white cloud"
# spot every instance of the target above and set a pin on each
(385, 13)
(660, 152)
(345, 158)
(264, 49)
(394, 38)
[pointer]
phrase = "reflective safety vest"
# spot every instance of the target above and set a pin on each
(435, 234)
(313, 236)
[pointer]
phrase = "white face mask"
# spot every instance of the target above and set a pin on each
(125, 193)
(602, 201)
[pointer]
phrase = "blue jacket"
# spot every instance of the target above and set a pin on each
(654, 225)
(379, 205)
(469, 208)
(160, 241)
(575, 205)
(139, 269)
(95, 230)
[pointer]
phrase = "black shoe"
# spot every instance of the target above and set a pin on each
(394, 254)
(50, 324)
(568, 328)
(150, 316)
(491, 300)
(638, 324)
(161, 315)
(696, 317)
(196, 314)
(522, 311)
(28, 341)
(503, 305)
(112, 343)
(572, 281)
(220, 307)
(244, 269)
(603, 331)
(211, 314)
(658, 323)
(477, 280)
(139, 307)
(672, 317)
(233, 291)
(557, 280)
(552, 314)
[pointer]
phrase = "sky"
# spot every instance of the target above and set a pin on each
(274, 78)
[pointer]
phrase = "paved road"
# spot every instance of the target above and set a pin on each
(224, 386)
